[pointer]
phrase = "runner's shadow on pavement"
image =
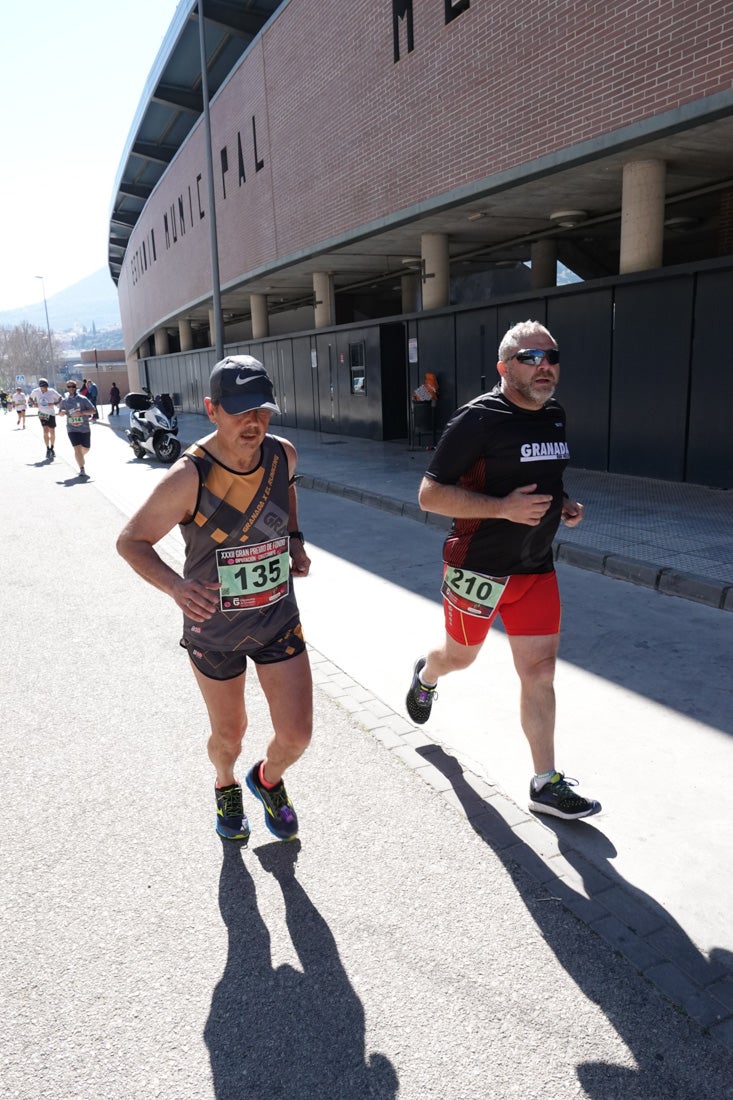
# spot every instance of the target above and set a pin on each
(70, 482)
(552, 901)
(281, 1031)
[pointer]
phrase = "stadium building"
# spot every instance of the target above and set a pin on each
(395, 182)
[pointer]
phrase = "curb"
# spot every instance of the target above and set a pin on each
(687, 586)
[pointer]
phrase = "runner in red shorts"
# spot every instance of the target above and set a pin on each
(497, 471)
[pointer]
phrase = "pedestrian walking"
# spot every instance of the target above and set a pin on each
(92, 392)
(497, 471)
(47, 400)
(233, 495)
(78, 411)
(114, 400)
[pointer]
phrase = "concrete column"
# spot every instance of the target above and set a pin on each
(260, 319)
(642, 216)
(133, 370)
(325, 301)
(162, 344)
(410, 293)
(436, 270)
(185, 334)
(544, 263)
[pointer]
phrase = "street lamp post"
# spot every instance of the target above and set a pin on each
(48, 329)
(213, 246)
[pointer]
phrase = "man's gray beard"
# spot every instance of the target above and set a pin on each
(528, 390)
(544, 395)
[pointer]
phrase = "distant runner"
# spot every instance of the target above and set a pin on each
(20, 403)
(78, 411)
(47, 399)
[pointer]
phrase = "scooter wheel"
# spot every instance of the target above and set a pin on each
(137, 450)
(168, 450)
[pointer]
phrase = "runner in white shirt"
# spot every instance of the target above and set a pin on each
(20, 401)
(47, 399)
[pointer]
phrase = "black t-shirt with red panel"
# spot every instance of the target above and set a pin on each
(492, 446)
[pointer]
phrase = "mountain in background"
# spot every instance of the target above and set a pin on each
(87, 305)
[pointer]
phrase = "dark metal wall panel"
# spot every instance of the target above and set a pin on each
(582, 327)
(360, 414)
(288, 410)
(395, 397)
(277, 360)
(257, 351)
(650, 378)
(270, 362)
(436, 354)
(328, 405)
(476, 354)
(521, 309)
(305, 381)
(184, 375)
(710, 436)
(196, 380)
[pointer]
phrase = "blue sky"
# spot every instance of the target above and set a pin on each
(71, 78)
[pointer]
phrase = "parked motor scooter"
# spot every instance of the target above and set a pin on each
(153, 426)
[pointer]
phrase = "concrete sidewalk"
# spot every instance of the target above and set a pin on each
(397, 951)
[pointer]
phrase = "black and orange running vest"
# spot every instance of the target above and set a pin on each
(235, 511)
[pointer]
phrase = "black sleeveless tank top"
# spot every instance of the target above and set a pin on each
(239, 534)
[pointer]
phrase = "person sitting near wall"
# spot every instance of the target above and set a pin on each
(428, 391)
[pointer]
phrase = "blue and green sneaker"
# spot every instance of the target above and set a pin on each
(280, 816)
(231, 820)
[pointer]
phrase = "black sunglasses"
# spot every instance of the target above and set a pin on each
(534, 356)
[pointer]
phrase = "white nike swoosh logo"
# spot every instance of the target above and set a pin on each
(241, 381)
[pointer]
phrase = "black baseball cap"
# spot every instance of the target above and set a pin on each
(240, 383)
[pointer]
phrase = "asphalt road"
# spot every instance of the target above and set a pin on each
(391, 952)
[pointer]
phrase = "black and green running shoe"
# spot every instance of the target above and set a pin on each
(556, 797)
(280, 816)
(420, 698)
(231, 820)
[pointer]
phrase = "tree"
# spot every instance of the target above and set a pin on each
(24, 350)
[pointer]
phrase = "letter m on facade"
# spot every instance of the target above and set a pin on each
(402, 9)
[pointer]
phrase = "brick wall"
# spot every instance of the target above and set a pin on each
(346, 135)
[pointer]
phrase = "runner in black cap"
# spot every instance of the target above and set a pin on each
(233, 494)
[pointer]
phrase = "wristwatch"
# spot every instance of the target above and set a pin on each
(297, 535)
